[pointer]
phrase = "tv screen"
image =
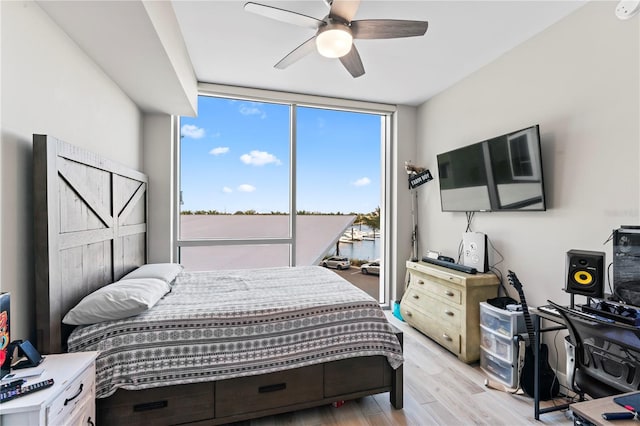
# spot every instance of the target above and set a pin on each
(499, 174)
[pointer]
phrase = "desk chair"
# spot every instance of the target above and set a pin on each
(607, 354)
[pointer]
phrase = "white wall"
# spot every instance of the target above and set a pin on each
(48, 86)
(579, 81)
(159, 167)
(403, 150)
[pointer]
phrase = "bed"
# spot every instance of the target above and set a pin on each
(90, 230)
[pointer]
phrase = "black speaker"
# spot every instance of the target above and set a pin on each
(585, 273)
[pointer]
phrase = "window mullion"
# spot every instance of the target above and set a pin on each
(292, 183)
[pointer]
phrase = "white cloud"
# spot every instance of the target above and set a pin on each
(219, 150)
(252, 109)
(192, 131)
(227, 190)
(245, 187)
(259, 158)
(363, 181)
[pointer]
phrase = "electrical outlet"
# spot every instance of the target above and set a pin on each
(627, 9)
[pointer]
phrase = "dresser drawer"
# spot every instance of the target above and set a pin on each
(76, 396)
(446, 275)
(447, 314)
(84, 415)
(437, 289)
(449, 337)
(256, 393)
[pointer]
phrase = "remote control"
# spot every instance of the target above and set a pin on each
(627, 415)
(11, 385)
(9, 394)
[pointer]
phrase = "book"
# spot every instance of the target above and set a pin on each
(5, 367)
(630, 401)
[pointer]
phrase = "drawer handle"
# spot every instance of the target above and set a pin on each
(446, 337)
(407, 313)
(272, 388)
(68, 400)
(415, 296)
(420, 282)
(90, 422)
(147, 406)
(448, 312)
(449, 293)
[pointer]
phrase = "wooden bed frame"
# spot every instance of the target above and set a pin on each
(90, 230)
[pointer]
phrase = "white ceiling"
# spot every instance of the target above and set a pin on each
(152, 50)
(228, 45)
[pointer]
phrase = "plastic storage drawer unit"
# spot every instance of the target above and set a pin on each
(501, 370)
(501, 321)
(497, 344)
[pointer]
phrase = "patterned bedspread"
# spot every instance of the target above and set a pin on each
(222, 324)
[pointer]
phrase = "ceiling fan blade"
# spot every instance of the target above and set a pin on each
(353, 63)
(298, 53)
(283, 15)
(387, 28)
(344, 9)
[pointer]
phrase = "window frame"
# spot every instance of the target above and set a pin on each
(293, 100)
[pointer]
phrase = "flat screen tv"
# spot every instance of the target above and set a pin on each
(498, 174)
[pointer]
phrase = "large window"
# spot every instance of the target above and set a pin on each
(276, 184)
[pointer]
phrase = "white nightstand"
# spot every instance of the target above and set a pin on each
(70, 401)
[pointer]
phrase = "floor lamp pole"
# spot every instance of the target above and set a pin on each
(414, 221)
(417, 176)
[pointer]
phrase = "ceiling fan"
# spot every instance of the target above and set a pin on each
(336, 31)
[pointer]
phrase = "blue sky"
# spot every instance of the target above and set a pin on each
(235, 156)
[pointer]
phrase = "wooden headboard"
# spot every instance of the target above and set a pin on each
(90, 229)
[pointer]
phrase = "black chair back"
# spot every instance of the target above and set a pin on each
(607, 354)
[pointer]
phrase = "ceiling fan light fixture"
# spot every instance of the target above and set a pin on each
(334, 40)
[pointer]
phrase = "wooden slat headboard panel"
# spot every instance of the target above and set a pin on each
(90, 229)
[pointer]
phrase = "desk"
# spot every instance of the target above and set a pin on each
(592, 411)
(538, 316)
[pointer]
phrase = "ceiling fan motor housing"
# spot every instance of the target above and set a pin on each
(334, 40)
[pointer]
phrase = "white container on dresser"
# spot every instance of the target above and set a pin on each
(498, 348)
(70, 401)
(444, 304)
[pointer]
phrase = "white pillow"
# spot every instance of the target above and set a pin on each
(121, 299)
(166, 272)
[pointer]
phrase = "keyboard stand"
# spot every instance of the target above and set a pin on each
(538, 316)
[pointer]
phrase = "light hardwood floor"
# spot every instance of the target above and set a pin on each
(438, 390)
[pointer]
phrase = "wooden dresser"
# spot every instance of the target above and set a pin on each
(444, 304)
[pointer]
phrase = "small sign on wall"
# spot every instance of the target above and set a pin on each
(415, 180)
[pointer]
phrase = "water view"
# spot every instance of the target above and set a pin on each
(364, 244)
